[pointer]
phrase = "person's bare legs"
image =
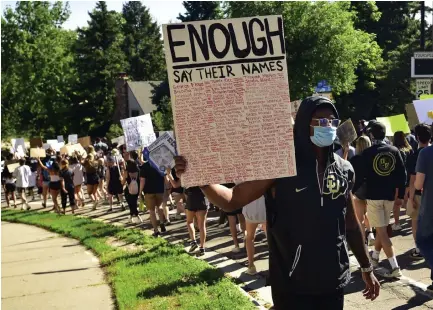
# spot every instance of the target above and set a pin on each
(23, 198)
(7, 199)
(233, 231)
(77, 191)
(249, 242)
(110, 201)
(158, 200)
(201, 219)
(190, 224)
(13, 198)
(398, 203)
(360, 210)
(54, 194)
(242, 223)
(45, 194)
(384, 241)
(164, 207)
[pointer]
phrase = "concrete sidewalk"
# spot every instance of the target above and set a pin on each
(42, 270)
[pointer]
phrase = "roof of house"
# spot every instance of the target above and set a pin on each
(142, 91)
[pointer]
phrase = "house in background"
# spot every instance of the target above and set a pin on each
(133, 98)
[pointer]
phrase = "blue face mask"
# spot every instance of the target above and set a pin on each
(324, 136)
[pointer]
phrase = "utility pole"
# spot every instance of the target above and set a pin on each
(422, 41)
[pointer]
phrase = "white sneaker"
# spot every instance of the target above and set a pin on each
(236, 249)
(178, 217)
(395, 273)
(131, 219)
(95, 204)
(396, 227)
(251, 270)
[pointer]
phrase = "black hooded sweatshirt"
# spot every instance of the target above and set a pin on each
(307, 242)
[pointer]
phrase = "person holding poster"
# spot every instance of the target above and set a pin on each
(22, 174)
(54, 183)
(90, 165)
(308, 257)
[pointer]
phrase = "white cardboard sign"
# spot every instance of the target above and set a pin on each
(230, 99)
(161, 152)
(73, 139)
(138, 132)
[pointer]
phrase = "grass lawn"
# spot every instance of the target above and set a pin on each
(158, 275)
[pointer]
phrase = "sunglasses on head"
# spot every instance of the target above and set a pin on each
(325, 122)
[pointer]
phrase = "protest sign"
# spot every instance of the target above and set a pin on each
(229, 94)
(71, 149)
(346, 132)
(12, 167)
(423, 87)
(161, 152)
(73, 139)
(394, 123)
(84, 141)
(412, 118)
(37, 153)
(138, 132)
(36, 142)
(18, 147)
(52, 141)
(60, 139)
(119, 140)
(422, 107)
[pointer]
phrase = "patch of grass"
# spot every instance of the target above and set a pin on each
(157, 276)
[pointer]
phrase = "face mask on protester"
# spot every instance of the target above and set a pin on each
(324, 136)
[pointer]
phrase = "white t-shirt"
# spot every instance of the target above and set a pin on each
(22, 174)
(77, 171)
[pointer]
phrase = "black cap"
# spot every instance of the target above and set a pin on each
(378, 130)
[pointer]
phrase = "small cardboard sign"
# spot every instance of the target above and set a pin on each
(85, 141)
(73, 139)
(161, 153)
(36, 142)
(71, 149)
(346, 132)
(37, 153)
(12, 167)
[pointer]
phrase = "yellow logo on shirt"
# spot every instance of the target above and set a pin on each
(384, 164)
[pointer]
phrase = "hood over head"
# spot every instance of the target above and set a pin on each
(303, 145)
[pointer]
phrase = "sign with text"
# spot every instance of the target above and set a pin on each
(138, 132)
(230, 98)
(394, 123)
(422, 108)
(19, 147)
(412, 117)
(119, 140)
(423, 87)
(73, 149)
(161, 152)
(346, 133)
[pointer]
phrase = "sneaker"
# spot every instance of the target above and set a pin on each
(95, 204)
(193, 247)
(44, 205)
(162, 226)
(430, 288)
(394, 273)
(251, 270)
(167, 223)
(236, 249)
(396, 227)
(374, 261)
(156, 234)
(131, 219)
(201, 252)
(110, 210)
(122, 207)
(414, 254)
(370, 239)
(178, 217)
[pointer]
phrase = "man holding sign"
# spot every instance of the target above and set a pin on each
(308, 259)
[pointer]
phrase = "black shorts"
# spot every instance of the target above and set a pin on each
(92, 179)
(10, 188)
(234, 213)
(196, 205)
(55, 186)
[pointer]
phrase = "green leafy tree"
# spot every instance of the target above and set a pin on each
(99, 58)
(142, 43)
(37, 69)
(321, 42)
(201, 10)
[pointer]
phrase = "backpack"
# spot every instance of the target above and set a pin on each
(133, 185)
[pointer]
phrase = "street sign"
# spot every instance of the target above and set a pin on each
(423, 87)
(422, 65)
(323, 87)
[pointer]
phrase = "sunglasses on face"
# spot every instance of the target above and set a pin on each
(325, 122)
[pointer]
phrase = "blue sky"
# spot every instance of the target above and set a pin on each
(162, 11)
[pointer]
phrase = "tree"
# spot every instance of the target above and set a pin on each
(397, 33)
(99, 58)
(321, 43)
(201, 10)
(142, 45)
(37, 69)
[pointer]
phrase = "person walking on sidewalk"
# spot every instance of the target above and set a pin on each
(424, 182)
(114, 182)
(67, 183)
(383, 172)
(423, 135)
(10, 188)
(23, 174)
(132, 190)
(311, 219)
(152, 186)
